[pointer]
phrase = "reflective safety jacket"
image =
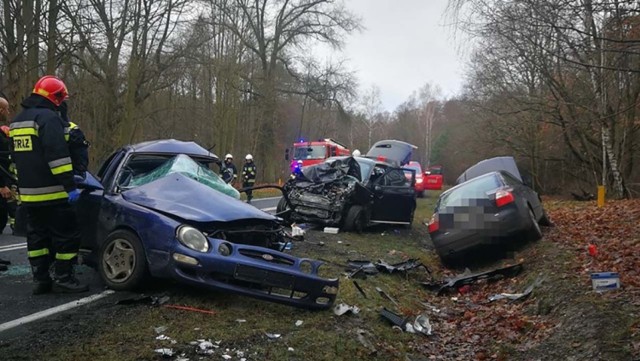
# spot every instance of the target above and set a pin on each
(249, 173)
(41, 154)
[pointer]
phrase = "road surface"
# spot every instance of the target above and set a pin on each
(18, 307)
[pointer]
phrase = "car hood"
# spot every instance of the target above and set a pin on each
(188, 199)
(330, 171)
(393, 151)
(507, 164)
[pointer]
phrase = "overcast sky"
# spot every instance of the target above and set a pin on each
(404, 45)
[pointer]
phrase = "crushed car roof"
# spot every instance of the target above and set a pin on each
(394, 151)
(172, 146)
(505, 163)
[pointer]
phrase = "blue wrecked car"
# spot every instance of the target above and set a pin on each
(157, 209)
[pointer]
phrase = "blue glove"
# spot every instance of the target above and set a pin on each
(74, 195)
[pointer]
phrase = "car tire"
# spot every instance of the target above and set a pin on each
(545, 221)
(535, 232)
(281, 207)
(355, 219)
(122, 262)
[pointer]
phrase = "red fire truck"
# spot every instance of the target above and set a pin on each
(434, 177)
(313, 152)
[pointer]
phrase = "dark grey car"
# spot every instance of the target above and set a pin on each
(490, 208)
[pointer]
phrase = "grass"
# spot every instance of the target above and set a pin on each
(322, 335)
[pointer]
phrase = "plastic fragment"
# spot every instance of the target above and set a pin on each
(290, 349)
(273, 336)
(164, 351)
(299, 323)
(163, 338)
(226, 357)
(160, 329)
(343, 308)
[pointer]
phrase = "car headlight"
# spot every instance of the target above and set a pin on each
(193, 238)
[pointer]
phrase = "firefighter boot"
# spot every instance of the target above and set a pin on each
(65, 280)
(41, 278)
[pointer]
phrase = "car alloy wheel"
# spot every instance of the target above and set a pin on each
(122, 263)
(119, 260)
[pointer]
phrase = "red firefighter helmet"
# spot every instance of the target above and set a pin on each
(51, 88)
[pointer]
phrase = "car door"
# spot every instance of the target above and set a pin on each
(92, 198)
(394, 197)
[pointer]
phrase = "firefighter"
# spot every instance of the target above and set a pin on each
(249, 176)
(77, 142)
(5, 192)
(46, 186)
(229, 170)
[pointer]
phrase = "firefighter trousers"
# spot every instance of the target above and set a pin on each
(52, 235)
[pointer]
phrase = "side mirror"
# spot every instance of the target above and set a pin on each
(286, 154)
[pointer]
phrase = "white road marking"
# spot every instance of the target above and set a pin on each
(13, 247)
(268, 209)
(52, 311)
(265, 199)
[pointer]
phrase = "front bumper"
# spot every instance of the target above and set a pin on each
(256, 272)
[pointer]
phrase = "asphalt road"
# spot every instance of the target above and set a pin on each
(18, 305)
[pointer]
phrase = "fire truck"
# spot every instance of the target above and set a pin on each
(313, 152)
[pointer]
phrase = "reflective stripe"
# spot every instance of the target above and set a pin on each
(59, 162)
(62, 169)
(38, 252)
(43, 197)
(42, 190)
(23, 131)
(24, 124)
(65, 256)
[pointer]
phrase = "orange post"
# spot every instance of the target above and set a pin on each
(601, 193)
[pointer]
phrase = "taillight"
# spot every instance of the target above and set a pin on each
(503, 198)
(434, 224)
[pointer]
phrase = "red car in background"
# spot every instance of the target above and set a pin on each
(433, 178)
(420, 181)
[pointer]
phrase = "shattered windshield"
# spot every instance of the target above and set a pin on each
(144, 169)
(310, 152)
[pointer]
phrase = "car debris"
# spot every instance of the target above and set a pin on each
(273, 336)
(360, 289)
(385, 295)
(465, 279)
(605, 281)
(403, 266)
(160, 329)
(226, 357)
(144, 300)
(365, 342)
(297, 231)
(331, 230)
(343, 308)
(165, 352)
(299, 323)
(290, 349)
(163, 338)
(240, 320)
(192, 309)
(517, 296)
(421, 323)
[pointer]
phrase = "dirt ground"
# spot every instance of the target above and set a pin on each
(563, 318)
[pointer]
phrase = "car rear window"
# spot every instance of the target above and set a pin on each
(476, 188)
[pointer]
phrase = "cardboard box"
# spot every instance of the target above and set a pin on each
(604, 281)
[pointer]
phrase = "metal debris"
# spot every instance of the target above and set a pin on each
(465, 279)
(163, 338)
(422, 325)
(360, 289)
(517, 296)
(385, 295)
(360, 268)
(343, 308)
(401, 266)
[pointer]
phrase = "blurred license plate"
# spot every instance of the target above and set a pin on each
(433, 181)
